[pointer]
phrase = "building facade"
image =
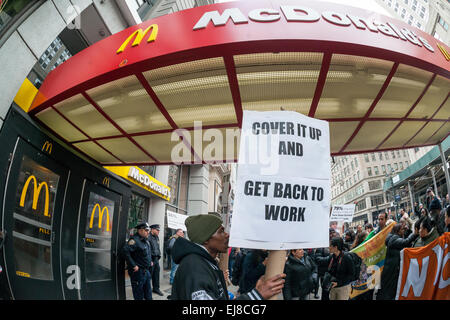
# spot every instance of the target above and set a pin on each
(44, 34)
(431, 16)
(360, 178)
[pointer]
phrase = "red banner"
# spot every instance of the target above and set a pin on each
(425, 271)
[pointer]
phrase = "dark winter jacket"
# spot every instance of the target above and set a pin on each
(252, 269)
(198, 276)
(301, 275)
(321, 258)
(341, 269)
(389, 276)
(154, 242)
(137, 252)
(430, 237)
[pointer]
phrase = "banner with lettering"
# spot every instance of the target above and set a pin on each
(373, 253)
(176, 220)
(283, 182)
(425, 271)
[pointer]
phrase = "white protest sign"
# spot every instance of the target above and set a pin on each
(176, 220)
(343, 213)
(283, 182)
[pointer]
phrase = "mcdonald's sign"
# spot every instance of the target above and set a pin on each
(100, 217)
(139, 35)
(48, 147)
(36, 191)
(106, 181)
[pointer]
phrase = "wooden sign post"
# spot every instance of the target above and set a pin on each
(275, 265)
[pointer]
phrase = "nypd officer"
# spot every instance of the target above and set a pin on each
(138, 254)
(156, 255)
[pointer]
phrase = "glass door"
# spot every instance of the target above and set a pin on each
(33, 206)
(98, 227)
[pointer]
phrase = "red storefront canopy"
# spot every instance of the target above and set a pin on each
(380, 83)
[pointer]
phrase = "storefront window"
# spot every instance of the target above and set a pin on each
(173, 183)
(10, 9)
(33, 216)
(100, 214)
(138, 212)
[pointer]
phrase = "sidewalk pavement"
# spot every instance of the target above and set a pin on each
(165, 287)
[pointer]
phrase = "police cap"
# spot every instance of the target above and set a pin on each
(143, 225)
(155, 226)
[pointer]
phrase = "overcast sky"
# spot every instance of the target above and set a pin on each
(369, 5)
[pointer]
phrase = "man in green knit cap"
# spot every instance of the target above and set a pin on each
(198, 276)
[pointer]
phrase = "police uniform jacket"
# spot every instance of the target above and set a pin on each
(154, 242)
(138, 252)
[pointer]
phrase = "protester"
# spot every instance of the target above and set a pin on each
(358, 229)
(446, 202)
(389, 276)
(382, 219)
(431, 198)
(340, 271)
(417, 225)
(349, 238)
(254, 266)
(236, 272)
(198, 276)
(416, 210)
(423, 212)
(447, 219)
(320, 254)
(368, 228)
(174, 266)
(138, 255)
(437, 217)
(231, 257)
(321, 258)
(407, 224)
(301, 276)
(427, 232)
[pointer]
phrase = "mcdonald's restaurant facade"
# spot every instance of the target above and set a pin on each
(66, 219)
(73, 149)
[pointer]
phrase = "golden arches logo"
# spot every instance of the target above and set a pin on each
(48, 147)
(100, 217)
(36, 191)
(106, 181)
(140, 34)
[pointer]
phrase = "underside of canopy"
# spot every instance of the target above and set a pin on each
(372, 102)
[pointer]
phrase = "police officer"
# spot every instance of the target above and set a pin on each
(138, 255)
(156, 255)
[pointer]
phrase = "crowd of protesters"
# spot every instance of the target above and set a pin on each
(328, 273)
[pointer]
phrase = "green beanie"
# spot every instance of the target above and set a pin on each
(202, 226)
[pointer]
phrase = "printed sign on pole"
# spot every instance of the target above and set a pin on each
(283, 183)
(343, 213)
(176, 220)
